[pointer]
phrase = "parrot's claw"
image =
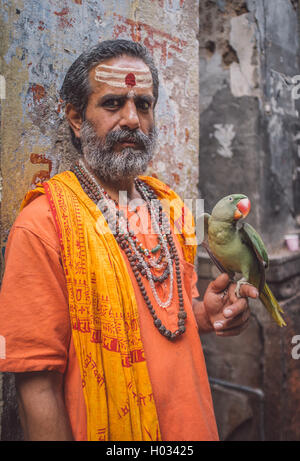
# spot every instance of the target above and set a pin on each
(238, 287)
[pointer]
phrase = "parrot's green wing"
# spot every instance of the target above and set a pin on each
(205, 245)
(251, 236)
(253, 239)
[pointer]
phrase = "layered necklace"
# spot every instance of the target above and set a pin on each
(142, 260)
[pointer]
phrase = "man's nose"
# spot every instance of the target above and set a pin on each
(129, 116)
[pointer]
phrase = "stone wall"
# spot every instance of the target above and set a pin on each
(249, 130)
(42, 39)
(39, 42)
(249, 119)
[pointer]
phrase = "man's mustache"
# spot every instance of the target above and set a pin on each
(132, 136)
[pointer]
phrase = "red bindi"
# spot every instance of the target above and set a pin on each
(130, 79)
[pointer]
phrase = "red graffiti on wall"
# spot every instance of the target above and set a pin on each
(42, 175)
(63, 12)
(64, 20)
(151, 37)
(38, 92)
(41, 25)
(176, 178)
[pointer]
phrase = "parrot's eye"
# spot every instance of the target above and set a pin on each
(230, 199)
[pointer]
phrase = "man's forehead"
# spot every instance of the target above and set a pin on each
(122, 73)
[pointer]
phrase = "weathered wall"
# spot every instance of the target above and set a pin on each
(249, 126)
(42, 39)
(249, 119)
(39, 42)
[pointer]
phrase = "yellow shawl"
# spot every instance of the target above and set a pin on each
(103, 311)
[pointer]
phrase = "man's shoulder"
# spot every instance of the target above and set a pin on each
(36, 210)
(36, 217)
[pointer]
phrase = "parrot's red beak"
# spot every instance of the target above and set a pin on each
(243, 208)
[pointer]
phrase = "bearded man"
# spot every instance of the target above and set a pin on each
(99, 306)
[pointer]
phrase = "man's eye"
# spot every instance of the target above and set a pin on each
(143, 105)
(112, 104)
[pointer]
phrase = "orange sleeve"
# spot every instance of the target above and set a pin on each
(34, 318)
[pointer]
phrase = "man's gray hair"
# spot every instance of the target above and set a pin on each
(76, 88)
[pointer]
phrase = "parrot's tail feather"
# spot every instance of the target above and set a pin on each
(272, 305)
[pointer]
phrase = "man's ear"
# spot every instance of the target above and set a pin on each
(74, 119)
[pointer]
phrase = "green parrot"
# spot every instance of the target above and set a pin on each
(239, 249)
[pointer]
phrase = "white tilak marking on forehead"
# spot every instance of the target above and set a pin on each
(122, 84)
(139, 78)
(118, 75)
(123, 69)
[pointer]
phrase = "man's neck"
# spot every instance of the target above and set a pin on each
(113, 188)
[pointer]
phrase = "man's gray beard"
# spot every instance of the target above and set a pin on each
(113, 166)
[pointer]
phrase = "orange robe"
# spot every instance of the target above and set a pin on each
(34, 320)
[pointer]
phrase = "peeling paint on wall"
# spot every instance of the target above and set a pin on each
(297, 140)
(281, 97)
(213, 77)
(2, 87)
(248, 63)
(244, 73)
(224, 134)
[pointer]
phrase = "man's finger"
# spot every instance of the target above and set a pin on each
(236, 308)
(235, 331)
(248, 291)
(220, 283)
(236, 321)
(231, 326)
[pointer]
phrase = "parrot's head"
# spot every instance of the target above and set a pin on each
(231, 208)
